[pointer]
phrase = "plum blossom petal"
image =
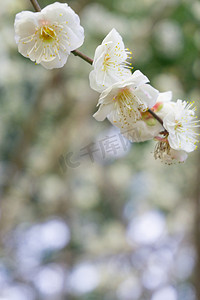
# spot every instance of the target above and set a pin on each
(103, 111)
(145, 92)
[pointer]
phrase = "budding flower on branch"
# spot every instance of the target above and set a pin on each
(48, 37)
(110, 62)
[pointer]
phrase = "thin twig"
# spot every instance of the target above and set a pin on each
(36, 5)
(158, 119)
(83, 56)
(155, 116)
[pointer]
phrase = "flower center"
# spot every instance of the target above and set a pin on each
(126, 106)
(106, 61)
(47, 34)
(178, 125)
(124, 96)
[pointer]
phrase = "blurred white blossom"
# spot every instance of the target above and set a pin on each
(168, 38)
(146, 229)
(83, 279)
(166, 293)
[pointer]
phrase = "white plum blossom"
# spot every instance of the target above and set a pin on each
(181, 124)
(47, 37)
(167, 155)
(123, 102)
(148, 127)
(110, 65)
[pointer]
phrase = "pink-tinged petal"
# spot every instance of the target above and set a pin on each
(147, 95)
(180, 156)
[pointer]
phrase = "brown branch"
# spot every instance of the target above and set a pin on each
(36, 5)
(83, 56)
(158, 119)
(155, 116)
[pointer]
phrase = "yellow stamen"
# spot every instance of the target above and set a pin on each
(47, 33)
